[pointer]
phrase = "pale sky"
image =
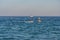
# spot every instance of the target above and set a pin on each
(29, 7)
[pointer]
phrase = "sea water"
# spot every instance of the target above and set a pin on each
(17, 28)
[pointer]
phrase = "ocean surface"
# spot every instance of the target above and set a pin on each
(18, 28)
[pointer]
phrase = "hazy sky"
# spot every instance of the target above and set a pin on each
(29, 7)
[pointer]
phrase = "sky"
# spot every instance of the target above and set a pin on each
(29, 7)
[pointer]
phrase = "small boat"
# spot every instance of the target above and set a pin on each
(30, 21)
(39, 20)
(31, 16)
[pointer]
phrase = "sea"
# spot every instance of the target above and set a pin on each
(19, 28)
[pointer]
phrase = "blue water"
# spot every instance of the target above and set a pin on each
(14, 28)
